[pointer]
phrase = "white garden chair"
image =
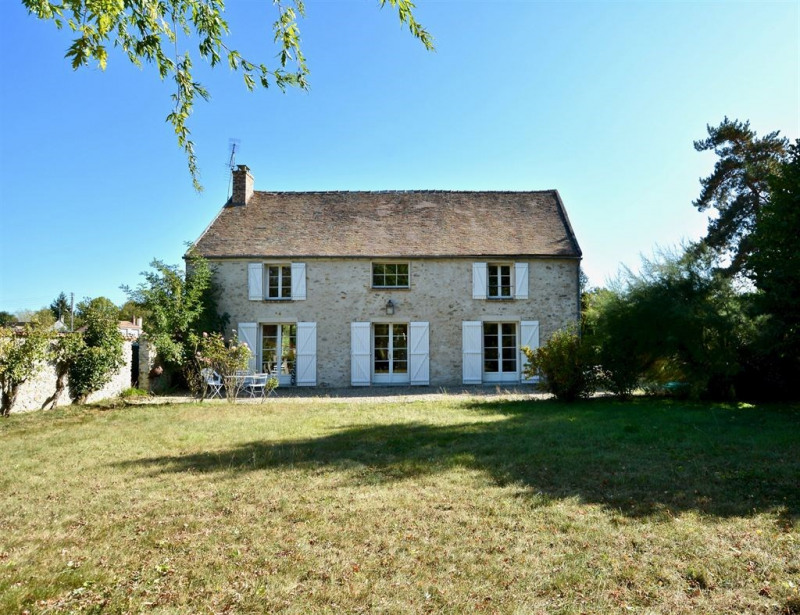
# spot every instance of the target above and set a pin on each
(256, 385)
(213, 383)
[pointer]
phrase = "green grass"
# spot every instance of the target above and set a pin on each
(446, 507)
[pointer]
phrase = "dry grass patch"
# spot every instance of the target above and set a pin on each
(431, 506)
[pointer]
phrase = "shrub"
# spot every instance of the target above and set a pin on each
(563, 363)
(677, 320)
(225, 358)
(179, 305)
(93, 358)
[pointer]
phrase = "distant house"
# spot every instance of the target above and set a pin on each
(130, 329)
(393, 287)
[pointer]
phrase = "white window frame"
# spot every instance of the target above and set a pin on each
(391, 377)
(387, 287)
(518, 283)
(280, 267)
(500, 376)
(283, 379)
(497, 266)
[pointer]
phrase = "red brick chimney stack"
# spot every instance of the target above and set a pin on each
(242, 185)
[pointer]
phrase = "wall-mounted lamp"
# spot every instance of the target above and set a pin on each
(390, 308)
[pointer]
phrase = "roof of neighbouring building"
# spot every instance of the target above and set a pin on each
(416, 223)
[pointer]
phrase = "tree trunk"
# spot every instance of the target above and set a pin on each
(8, 399)
(61, 377)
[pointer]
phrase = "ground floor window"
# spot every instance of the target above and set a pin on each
(279, 351)
(491, 350)
(390, 352)
(500, 355)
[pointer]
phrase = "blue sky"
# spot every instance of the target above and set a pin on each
(601, 100)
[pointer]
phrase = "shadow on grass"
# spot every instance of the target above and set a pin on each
(640, 458)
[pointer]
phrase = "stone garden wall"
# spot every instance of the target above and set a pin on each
(38, 392)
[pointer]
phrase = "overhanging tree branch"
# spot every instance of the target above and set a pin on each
(143, 28)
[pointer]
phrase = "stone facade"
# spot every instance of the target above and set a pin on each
(37, 392)
(339, 292)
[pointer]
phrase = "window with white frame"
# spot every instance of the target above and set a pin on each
(499, 350)
(499, 282)
(279, 351)
(279, 281)
(390, 275)
(276, 281)
(390, 352)
(383, 353)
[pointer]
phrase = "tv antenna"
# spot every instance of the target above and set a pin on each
(233, 145)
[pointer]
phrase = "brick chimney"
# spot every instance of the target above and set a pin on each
(242, 185)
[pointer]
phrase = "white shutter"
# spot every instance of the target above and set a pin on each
(306, 354)
(255, 281)
(418, 357)
(521, 280)
(472, 348)
(248, 333)
(360, 353)
(479, 280)
(528, 336)
(298, 281)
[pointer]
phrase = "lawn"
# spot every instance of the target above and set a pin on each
(461, 505)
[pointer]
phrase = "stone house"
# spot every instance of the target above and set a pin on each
(413, 287)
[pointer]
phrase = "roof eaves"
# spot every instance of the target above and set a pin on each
(208, 227)
(431, 191)
(568, 225)
(388, 256)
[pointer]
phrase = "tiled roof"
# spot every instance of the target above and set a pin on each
(392, 224)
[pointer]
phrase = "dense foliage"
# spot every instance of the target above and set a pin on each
(678, 320)
(180, 306)
(564, 365)
(774, 268)
(721, 319)
(98, 306)
(151, 32)
(738, 188)
(93, 357)
(7, 318)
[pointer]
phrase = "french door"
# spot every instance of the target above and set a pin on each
(390, 353)
(279, 352)
(500, 353)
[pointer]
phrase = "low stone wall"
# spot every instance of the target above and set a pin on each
(37, 392)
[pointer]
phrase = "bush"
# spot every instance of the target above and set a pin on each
(563, 363)
(226, 359)
(179, 306)
(677, 320)
(92, 358)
